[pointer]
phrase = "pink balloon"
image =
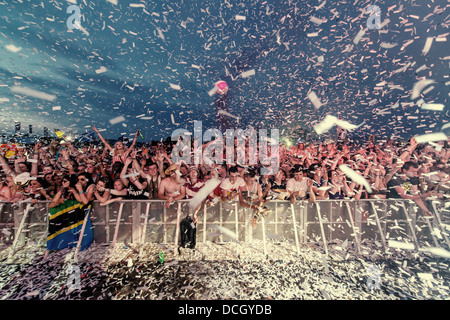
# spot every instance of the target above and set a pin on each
(222, 87)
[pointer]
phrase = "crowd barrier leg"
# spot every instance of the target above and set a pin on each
(380, 229)
(141, 246)
(177, 230)
(294, 223)
(220, 221)
(80, 238)
(19, 230)
(205, 207)
(263, 225)
(116, 230)
(322, 230)
(408, 219)
(355, 232)
(438, 218)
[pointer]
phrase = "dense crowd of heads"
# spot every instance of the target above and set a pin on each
(103, 172)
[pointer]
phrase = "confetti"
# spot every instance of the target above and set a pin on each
(355, 177)
(33, 93)
(13, 48)
(248, 73)
(438, 136)
(101, 70)
(314, 100)
(117, 120)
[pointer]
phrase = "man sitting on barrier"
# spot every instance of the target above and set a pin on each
(300, 187)
(170, 189)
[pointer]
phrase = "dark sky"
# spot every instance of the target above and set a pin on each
(153, 63)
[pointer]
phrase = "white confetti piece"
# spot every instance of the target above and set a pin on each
(240, 18)
(326, 124)
(388, 45)
(56, 108)
(213, 91)
(425, 276)
(438, 136)
(316, 21)
(101, 70)
(33, 93)
(329, 121)
(172, 119)
(4, 100)
(130, 175)
(432, 106)
(427, 45)
(175, 86)
(204, 192)
(358, 36)
(400, 245)
(117, 120)
(355, 177)
(248, 73)
(137, 5)
(418, 87)
(228, 114)
(314, 99)
(13, 48)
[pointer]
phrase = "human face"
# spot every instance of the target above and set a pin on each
(47, 169)
(298, 176)
(280, 175)
(118, 185)
(153, 170)
(90, 168)
(119, 145)
(193, 174)
(100, 184)
(9, 181)
(233, 177)
(34, 185)
(65, 183)
(23, 167)
(82, 180)
(411, 172)
(57, 179)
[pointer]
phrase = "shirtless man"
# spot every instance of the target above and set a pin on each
(170, 189)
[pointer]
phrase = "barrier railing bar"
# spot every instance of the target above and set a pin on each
(355, 232)
(294, 223)
(19, 230)
(299, 225)
(116, 230)
(380, 229)
(324, 239)
(144, 231)
(408, 219)
(438, 218)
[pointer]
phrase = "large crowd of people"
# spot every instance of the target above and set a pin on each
(311, 171)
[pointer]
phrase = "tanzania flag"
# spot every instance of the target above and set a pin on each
(65, 223)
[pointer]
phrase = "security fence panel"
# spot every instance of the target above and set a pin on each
(323, 222)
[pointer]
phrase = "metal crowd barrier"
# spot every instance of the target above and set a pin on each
(323, 222)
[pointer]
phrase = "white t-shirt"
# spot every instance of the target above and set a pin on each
(294, 185)
(228, 186)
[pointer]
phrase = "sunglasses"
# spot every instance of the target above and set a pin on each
(81, 179)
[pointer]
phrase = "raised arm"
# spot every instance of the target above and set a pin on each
(107, 145)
